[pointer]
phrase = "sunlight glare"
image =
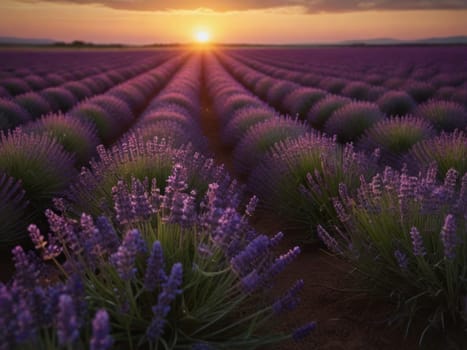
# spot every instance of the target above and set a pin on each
(202, 36)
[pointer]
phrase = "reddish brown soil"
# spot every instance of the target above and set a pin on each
(347, 319)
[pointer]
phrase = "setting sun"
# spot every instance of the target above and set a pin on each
(202, 36)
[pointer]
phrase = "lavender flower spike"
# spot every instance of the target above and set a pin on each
(124, 258)
(67, 321)
(303, 331)
(449, 237)
(155, 274)
(101, 339)
(328, 241)
(289, 300)
(401, 259)
(170, 290)
(250, 208)
(417, 242)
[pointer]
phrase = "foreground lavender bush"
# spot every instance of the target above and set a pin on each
(299, 177)
(139, 158)
(163, 274)
(407, 236)
(448, 150)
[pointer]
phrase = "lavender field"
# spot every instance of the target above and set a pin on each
(234, 198)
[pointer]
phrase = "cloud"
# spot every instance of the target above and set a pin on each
(310, 6)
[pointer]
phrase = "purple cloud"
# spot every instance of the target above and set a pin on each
(311, 6)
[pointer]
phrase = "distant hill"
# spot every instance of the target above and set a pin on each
(452, 40)
(389, 41)
(6, 40)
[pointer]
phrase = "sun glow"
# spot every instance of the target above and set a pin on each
(202, 36)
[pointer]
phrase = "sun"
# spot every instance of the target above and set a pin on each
(202, 36)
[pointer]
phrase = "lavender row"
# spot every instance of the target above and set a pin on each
(169, 238)
(39, 160)
(32, 105)
(361, 122)
(51, 68)
(422, 73)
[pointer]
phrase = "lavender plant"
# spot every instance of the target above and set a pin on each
(59, 98)
(11, 114)
(445, 115)
(299, 101)
(395, 136)
(168, 275)
(350, 121)
(77, 136)
(13, 210)
(42, 165)
(260, 138)
(34, 103)
(15, 86)
(323, 109)
(406, 235)
(396, 103)
(243, 120)
(420, 91)
(299, 177)
(135, 157)
(78, 89)
(448, 150)
(107, 129)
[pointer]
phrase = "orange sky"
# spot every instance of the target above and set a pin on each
(98, 23)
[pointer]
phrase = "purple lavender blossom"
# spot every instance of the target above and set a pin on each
(328, 241)
(251, 257)
(25, 328)
(250, 208)
(124, 258)
(36, 237)
(170, 289)
(67, 322)
(101, 338)
(122, 203)
(300, 333)
(107, 235)
(449, 237)
(417, 242)
(402, 259)
(27, 270)
(290, 300)
(140, 203)
(155, 274)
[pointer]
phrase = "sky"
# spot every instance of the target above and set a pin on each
(232, 21)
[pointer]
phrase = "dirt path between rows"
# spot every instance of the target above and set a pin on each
(347, 319)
